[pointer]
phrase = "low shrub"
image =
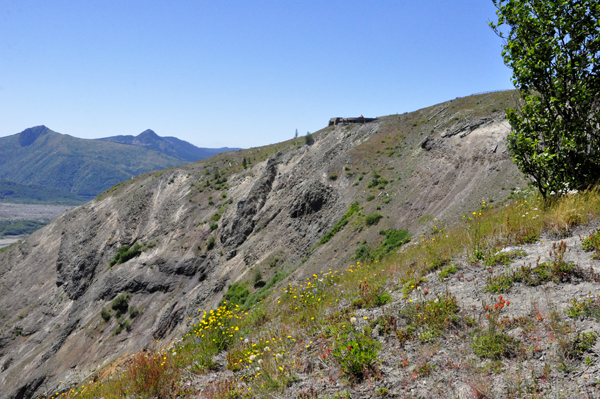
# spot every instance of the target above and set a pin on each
(583, 342)
(587, 308)
(358, 356)
(503, 258)
(121, 304)
(236, 294)
(427, 319)
(447, 271)
(210, 243)
(592, 243)
(373, 219)
(354, 208)
(105, 314)
(126, 253)
(495, 346)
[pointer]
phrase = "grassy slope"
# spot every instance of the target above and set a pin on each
(17, 193)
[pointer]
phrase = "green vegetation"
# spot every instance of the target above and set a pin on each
(126, 253)
(503, 258)
(592, 243)
(552, 48)
(583, 343)
(19, 227)
(18, 193)
(354, 208)
(121, 304)
(447, 271)
(377, 181)
(495, 346)
(105, 314)
(238, 294)
(373, 219)
(357, 356)
(493, 343)
(393, 240)
(589, 307)
(558, 270)
(210, 243)
(308, 139)
(428, 319)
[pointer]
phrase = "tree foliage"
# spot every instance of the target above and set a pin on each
(553, 48)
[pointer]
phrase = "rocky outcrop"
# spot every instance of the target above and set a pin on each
(243, 222)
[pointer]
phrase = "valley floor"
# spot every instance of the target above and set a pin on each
(10, 211)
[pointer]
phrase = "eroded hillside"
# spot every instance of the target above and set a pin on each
(176, 239)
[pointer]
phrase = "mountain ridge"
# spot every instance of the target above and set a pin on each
(41, 157)
(169, 145)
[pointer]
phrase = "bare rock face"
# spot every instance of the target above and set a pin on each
(54, 284)
(244, 220)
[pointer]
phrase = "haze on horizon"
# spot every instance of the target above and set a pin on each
(236, 73)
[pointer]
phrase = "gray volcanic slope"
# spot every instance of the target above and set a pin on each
(439, 161)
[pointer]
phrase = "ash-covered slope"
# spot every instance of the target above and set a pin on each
(267, 217)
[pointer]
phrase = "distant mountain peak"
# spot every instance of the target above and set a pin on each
(148, 133)
(171, 146)
(30, 135)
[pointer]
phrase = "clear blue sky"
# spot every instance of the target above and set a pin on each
(236, 73)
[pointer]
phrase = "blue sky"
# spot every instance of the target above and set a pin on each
(236, 73)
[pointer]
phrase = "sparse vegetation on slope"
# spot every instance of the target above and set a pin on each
(275, 344)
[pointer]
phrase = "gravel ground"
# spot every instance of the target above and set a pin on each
(31, 212)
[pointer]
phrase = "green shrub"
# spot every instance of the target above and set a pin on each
(214, 226)
(428, 319)
(210, 243)
(447, 271)
(362, 253)
(125, 253)
(308, 139)
(215, 217)
(587, 308)
(382, 298)
(503, 258)
(333, 176)
(393, 240)
(495, 346)
(354, 208)
(105, 313)
(120, 304)
(134, 312)
(237, 294)
(592, 243)
(370, 197)
(357, 357)
(263, 292)
(373, 219)
(583, 343)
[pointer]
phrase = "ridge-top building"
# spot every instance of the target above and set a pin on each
(347, 121)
